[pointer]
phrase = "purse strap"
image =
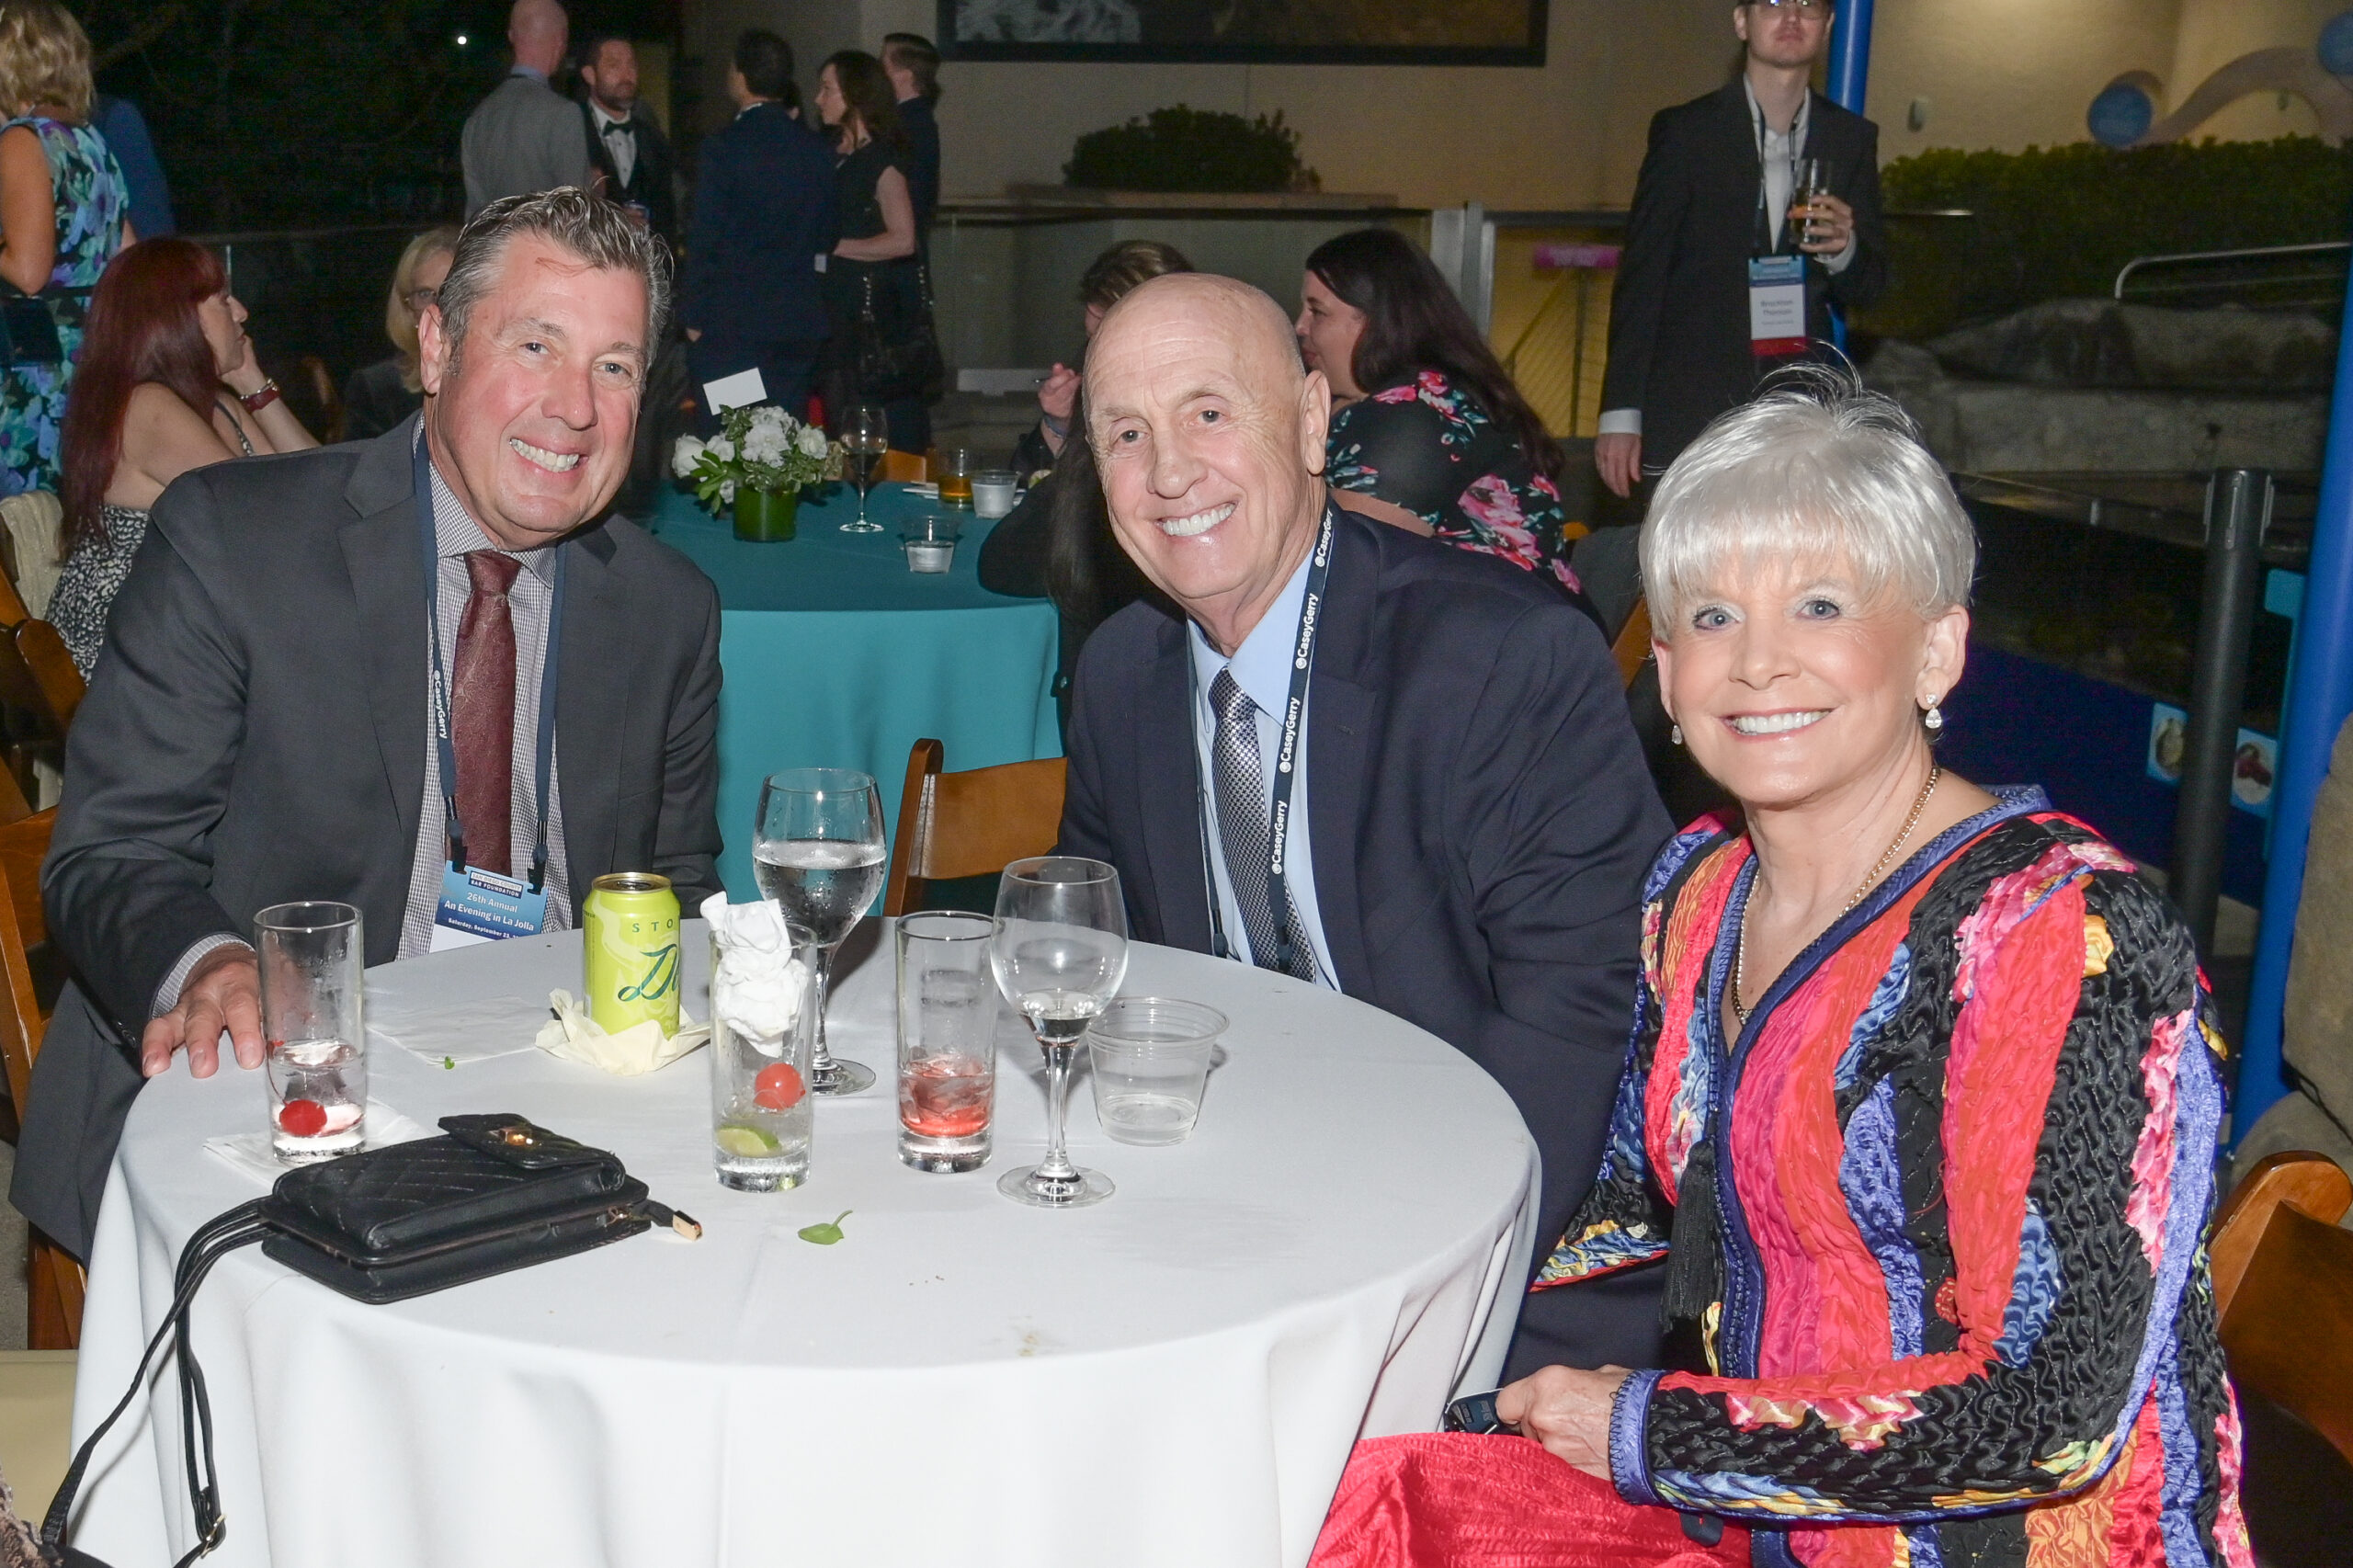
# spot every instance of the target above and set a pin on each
(241, 1226)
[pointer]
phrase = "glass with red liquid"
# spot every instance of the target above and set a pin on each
(947, 1040)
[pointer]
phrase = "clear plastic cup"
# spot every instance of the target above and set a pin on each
(992, 492)
(930, 539)
(1151, 1059)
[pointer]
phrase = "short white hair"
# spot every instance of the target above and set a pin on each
(1816, 468)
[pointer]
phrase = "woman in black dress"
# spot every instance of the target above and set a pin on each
(876, 258)
(1427, 430)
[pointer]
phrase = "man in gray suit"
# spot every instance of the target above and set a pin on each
(260, 731)
(526, 137)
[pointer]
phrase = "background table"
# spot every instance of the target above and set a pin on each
(838, 656)
(1172, 1378)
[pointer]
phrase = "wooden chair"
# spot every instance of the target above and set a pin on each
(56, 1280)
(905, 468)
(2283, 1289)
(1633, 644)
(969, 825)
(40, 692)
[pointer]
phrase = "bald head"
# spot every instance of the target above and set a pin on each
(1210, 437)
(537, 30)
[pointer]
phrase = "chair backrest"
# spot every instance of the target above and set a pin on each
(904, 468)
(57, 685)
(2283, 1289)
(969, 825)
(1633, 644)
(57, 1282)
(31, 521)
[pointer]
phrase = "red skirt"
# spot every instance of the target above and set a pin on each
(1454, 1500)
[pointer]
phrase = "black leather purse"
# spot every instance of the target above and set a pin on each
(494, 1193)
(898, 359)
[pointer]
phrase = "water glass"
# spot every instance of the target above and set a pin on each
(930, 539)
(947, 1040)
(956, 466)
(1060, 953)
(312, 957)
(1150, 1056)
(761, 1088)
(992, 492)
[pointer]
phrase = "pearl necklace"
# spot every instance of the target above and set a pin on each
(1740, 953)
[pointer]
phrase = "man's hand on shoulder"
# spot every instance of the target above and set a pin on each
(223, 991)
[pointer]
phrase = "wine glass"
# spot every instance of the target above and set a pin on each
(1060, 953)
(819, 851)
(866, 436)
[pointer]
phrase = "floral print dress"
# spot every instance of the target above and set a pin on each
(91, 201)
(1426, 447)
(1945, 1193)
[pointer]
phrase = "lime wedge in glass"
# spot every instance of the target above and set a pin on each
(748, 1143)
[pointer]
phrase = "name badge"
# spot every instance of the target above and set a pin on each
(482, 906)
(1777, 306)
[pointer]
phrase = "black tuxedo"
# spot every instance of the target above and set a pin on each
(650, 182)
(1481, 823)
(1679, 319)
(256, 731)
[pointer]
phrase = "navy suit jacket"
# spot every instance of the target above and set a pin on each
(922, 126)
(1482, 822)
(765, 210)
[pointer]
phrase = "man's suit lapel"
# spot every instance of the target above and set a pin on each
(387, 582)
(1168, 793)
(595, 677)
(1339, 744)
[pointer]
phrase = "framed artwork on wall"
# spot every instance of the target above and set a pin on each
(1310, 32)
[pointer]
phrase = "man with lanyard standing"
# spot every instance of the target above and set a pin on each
(1355, 755)
(1718, 285)
(430, 676)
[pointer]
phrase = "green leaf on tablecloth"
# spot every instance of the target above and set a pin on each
(825, 1235)
(448, 1063)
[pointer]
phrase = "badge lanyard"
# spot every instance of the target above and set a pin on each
(1764, 218)
(1310, 613)
(427, 539)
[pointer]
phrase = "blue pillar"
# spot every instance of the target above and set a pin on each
(1851, 53)
(2320, 694)
(1851, 69)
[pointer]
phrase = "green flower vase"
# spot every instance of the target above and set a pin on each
(765, 517)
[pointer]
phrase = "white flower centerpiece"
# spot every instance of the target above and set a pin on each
(759, 464)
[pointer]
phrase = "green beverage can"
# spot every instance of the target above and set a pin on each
(632, 930)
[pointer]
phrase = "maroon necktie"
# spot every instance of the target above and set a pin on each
(482, 720)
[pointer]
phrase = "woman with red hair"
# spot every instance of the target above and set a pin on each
(167, 381)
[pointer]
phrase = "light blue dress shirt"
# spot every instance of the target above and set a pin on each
(1262, 669)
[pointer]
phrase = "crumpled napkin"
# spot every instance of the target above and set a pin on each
(640, 1049)
(755, 983)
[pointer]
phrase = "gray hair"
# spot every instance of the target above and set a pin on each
(1815, 469)
(589, 227)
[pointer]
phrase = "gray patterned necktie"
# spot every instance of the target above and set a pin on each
(1242, 824)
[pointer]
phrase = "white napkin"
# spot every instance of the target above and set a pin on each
(462, 1032)
(637, 1050)
(755, 983)
(250, 1151)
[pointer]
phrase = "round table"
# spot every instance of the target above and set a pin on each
(836, 655)
(1174, 1377)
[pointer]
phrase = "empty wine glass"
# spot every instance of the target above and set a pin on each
(866, 436)
(1059, 955)
(819, 851)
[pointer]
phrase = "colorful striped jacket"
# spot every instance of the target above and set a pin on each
(1962, 1160)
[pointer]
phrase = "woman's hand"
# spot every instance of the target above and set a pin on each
(1057, 398)
(1567, 1410)
(245, 377)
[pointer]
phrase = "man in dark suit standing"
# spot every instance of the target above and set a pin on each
(765, 217)
(1466, 820)
(1719, 282)
(627, 148)
(260, 729)
(913, 65)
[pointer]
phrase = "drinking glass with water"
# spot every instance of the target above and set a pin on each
(820, 853)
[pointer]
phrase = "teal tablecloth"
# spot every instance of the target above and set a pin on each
(838, 656)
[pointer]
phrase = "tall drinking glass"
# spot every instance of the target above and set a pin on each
(1060, 954)
(818, 850)
(312, 957)
(1809, 187)
(947, 1040)
(761, 1120)
(866, 436)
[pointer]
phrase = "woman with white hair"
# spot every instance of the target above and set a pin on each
(1920, 1107)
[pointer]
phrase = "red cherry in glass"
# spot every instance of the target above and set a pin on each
(303, 1119)
(778, 1087)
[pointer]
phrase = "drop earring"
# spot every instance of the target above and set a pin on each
(1932, 720)
(1675, 733)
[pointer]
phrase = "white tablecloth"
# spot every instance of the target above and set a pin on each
(1172, 1378)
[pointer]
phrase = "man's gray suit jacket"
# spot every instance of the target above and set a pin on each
(525, 137)
(256, 733)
